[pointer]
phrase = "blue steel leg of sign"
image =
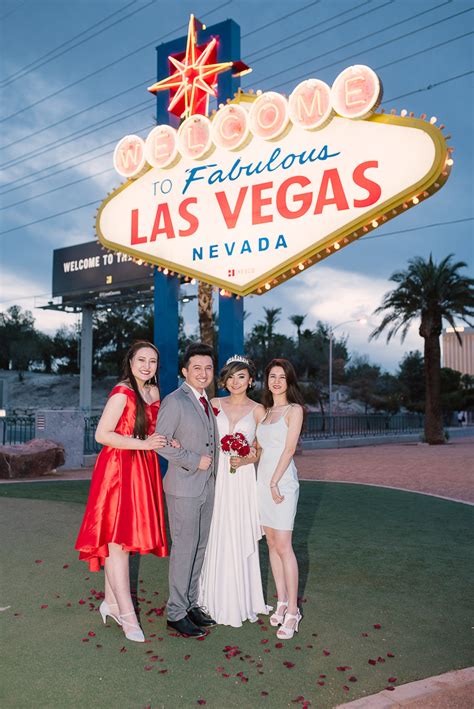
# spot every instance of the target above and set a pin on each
(231, 331)
(166, 329)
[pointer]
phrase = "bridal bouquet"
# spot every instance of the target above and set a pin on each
(235, 444)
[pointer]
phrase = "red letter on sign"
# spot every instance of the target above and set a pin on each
(339, 198)
(258, 202)
(192, 220)
(134, 238)
(361, 180)
(304, 198)
(231, 217)
(167, 228)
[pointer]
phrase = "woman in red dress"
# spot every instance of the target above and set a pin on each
(125, 509)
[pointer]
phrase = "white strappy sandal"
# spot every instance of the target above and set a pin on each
(285, 633)
(277, 618)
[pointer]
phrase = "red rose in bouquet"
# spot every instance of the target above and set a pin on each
(235, 444)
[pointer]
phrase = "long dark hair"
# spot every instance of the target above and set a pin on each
(140, 427)
(293, 392)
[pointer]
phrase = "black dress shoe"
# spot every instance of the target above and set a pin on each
(186, 627)
(199, 617)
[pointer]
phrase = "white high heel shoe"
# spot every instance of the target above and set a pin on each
(277, 618)
(135, 633)
(105, 609)
(285, 633)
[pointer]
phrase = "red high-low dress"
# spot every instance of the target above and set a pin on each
(125, 504)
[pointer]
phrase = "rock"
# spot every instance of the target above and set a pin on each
(30, 460)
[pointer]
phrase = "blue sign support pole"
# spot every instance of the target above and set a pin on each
(231, 323)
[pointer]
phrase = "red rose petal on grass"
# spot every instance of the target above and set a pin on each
(297, 700)
(297, 647)
(310, 647)
(44, 605)
(392, 679)
(264, 641)
(202, 638)
(321, 683)
(278, 645)
(147, 668)
(377, 626)
(66, 566)
(201, 701)
(263, 627)
(163, 672)
(372, 662)
(81, 602)
(85, 640)
(322, 676)
(244, 679)
(123, 649)
(154, 658)
(380, 659)
(267, 650)
(390, 654)
(38, 561)
(289, 665)
(68, 605)
(98, 646)
(345, 688)
(91, 634)
(224, 674)
(219, 669)
(343, 668)
(326, 653)
(352, 678)
(365, 635)
(186, 657)
(390, 689)
(264, 694)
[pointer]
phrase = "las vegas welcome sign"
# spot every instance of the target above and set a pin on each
(270, 185)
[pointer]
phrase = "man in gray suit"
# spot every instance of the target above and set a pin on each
(186, 415)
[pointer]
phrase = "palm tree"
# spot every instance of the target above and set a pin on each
(430, 292)
(272, 315)
(298, 321)
(206, 319)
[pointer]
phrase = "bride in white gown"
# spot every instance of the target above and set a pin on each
(230, 583)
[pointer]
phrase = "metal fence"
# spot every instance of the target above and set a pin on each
(17, 429)
(347, 426)
(90, 444)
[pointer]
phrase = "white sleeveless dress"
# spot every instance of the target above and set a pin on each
(231, 583)
(271, 438)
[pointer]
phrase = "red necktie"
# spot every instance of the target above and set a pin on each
(204, 402)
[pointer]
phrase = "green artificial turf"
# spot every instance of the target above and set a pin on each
(368, 557)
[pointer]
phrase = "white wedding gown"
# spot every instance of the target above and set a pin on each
(230, 583)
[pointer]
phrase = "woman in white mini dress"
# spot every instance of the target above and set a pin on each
(231, 583)
(278, 488)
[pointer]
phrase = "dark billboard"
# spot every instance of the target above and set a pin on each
(87, 268)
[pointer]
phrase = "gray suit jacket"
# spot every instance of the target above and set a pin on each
(181, 416)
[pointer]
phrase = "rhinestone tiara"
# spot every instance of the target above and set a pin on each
(237, 358)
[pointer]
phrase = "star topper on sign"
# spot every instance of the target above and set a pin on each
(195, 78)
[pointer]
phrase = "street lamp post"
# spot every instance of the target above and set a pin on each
(361, 321)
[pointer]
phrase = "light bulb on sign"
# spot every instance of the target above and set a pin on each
(230, 127)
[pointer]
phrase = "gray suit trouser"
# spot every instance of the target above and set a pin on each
(190, 521)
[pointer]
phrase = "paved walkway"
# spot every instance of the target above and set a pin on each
(447, 471)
